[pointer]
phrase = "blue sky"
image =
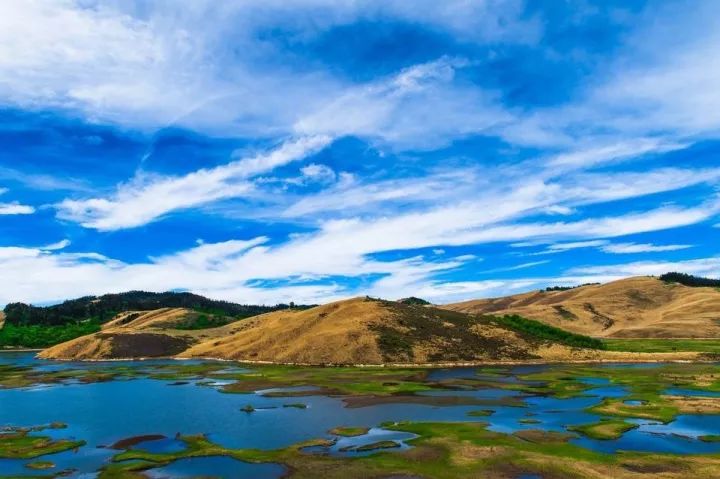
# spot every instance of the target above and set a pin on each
(305, 151)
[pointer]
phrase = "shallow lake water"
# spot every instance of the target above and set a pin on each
(216, 465)
(103, 413)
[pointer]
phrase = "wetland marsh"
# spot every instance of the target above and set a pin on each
(169, 418)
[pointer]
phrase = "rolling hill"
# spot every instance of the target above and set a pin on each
(162, 332)
(368, 331)
(102, 308)
(640, 307)
(27, 326)
(354, 331)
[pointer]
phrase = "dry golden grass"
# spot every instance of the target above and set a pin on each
(92, 346)
(344, 332)
(695, 404)
(641, 307)
(163, 318)
(142, 327)
(335, 333)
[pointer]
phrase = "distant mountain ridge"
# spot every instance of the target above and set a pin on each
(672, 306)
(105, 307)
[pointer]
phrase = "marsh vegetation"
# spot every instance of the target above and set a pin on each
(558, 421)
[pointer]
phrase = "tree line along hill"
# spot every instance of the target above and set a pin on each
(41, 326)
(690, 280)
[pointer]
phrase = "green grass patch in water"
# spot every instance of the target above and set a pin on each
(605, 429)
(349, 431)
(23, 445)
(710, 438)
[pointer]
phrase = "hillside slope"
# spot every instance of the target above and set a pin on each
(641, 307)
(354, 331)
(367, 331)
(138, 334)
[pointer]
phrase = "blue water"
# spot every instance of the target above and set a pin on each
(106, 412)
(221, 467)
(679, 436)
(161, 446)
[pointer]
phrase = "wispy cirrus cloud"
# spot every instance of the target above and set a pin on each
(339, 249)
(213, 67)
(527, 265)
(704, 267)
(459, 154)
(146, 199)
(629, 248)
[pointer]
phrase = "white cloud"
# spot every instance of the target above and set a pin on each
(559, 247)
(608, 227)
(629, 248)
(656, 93)
(388, 110)
(673, 82)
(350, 197)
(15, 208)
(608, 247)
(559, 210)
(317, 172)
(709, 267)
(340, 248)
(447, 292)
(62, 244)
(225, 270)
(146, 199)
(516, 267)
(43, 182)
(203, 66)
(210, 66)
(613, 152)
(584, 188)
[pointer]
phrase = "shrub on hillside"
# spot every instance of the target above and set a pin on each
(544, 331)
(412, 300)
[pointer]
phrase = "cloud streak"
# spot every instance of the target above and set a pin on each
(146, 199)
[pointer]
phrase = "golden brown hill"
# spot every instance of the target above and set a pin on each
(137, 334)
(354, 331)
(367, 331)
(641, 307)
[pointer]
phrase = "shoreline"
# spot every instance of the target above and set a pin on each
(444, 365)
(20, 350)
